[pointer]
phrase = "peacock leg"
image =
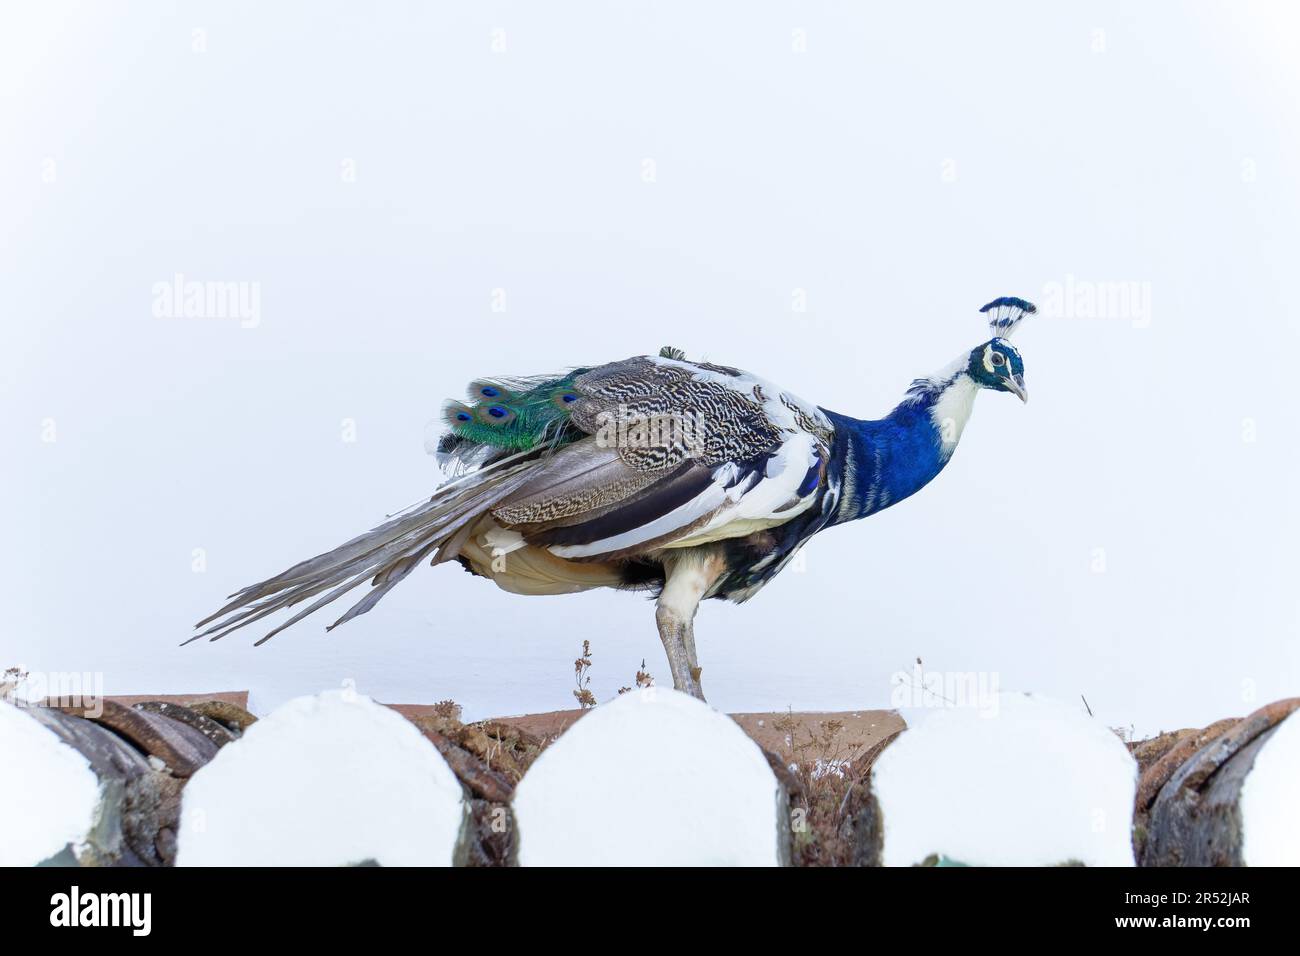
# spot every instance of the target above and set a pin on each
(688, 635)
(687, 578)
(673, 631)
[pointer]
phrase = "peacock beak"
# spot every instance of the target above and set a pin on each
(1015, 384)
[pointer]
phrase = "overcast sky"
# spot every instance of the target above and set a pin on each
(412, 195)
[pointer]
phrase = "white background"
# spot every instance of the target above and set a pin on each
(915, 161)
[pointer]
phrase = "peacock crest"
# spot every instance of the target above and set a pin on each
(1005, 314)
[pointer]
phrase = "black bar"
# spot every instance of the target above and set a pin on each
(369, 904)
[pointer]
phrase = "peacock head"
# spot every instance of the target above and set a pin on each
(996, 364)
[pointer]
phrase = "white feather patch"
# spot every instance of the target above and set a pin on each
(952, 409)
(500, 541)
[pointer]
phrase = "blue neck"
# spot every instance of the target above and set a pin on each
(879, 463)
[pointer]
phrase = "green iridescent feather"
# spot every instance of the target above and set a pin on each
(517, 415)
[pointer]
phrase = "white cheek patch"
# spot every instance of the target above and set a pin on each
(988, 361)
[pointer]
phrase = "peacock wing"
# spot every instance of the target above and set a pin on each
(676, 453)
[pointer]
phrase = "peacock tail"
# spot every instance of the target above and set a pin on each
(519, 414)
(515, 414)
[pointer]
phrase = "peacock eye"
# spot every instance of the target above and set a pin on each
(999, 358)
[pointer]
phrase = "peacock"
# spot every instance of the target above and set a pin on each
(690, 480)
